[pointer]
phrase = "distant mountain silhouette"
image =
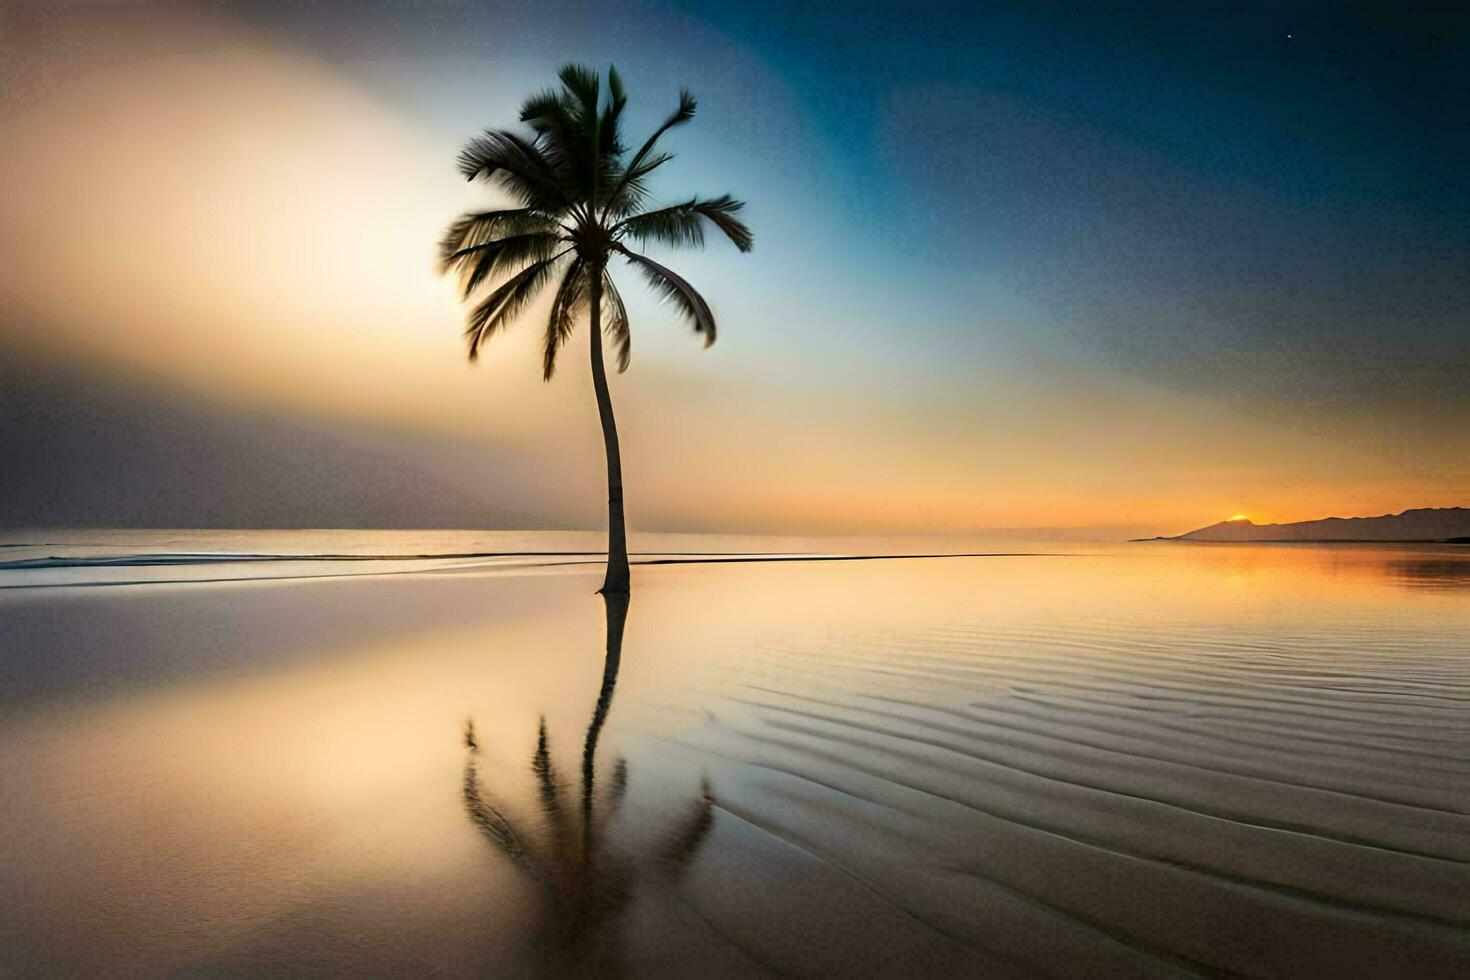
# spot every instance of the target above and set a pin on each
(1419, 524)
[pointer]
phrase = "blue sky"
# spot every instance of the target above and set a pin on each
(1148, 181)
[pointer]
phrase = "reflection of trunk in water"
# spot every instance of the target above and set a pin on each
(586, 886)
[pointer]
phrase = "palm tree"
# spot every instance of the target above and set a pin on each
(581, 198)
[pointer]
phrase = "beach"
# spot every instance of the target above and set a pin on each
(416, 753)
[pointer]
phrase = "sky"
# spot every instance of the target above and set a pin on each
(1016, 266)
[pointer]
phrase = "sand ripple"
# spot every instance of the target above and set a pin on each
(1126, 800)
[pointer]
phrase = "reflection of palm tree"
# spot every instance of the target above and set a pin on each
(586, 885)
(580, 201)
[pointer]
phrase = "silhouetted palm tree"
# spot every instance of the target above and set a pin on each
(581, 197)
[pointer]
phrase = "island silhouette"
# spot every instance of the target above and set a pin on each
(1421, 524)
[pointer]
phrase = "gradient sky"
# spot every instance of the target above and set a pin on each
(1138, 269)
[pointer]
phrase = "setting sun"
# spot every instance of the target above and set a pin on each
(1239, 517)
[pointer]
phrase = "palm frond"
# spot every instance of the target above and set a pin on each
(479, 227)
(683, 224)
(610, 139)
(518, 165)
(673, 288)
(617, 95)
(617, 326)
(544, 110)
(504, 303)
(477, 263)
(631, 186)
(583, 84)
(682, 114)
(561, 135)
(564, 307)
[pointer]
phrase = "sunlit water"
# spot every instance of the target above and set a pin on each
(429, 753)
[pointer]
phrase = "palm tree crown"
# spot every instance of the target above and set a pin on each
(581, 199)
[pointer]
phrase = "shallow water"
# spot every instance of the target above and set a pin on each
(224, 753)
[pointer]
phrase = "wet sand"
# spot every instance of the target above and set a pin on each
(1125, 761)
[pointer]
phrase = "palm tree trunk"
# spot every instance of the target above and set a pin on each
(616, 581)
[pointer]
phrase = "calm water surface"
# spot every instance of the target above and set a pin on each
(441, 753)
